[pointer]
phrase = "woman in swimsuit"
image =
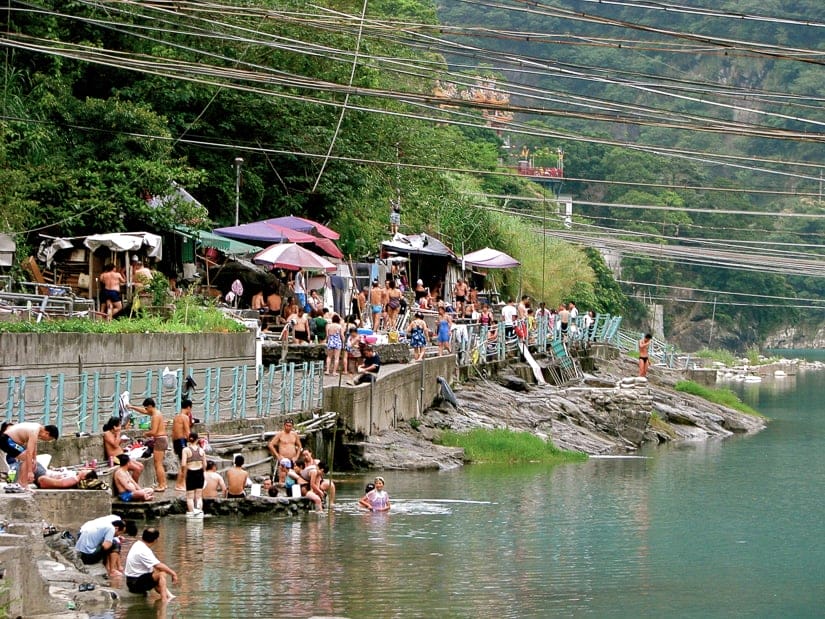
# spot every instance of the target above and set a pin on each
(393, 304)
(377, 499)
(353, 359)
(419, 334)
(192, 461)
(335, 343)
(445, 324)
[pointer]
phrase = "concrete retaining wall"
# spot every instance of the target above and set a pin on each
(36, 354)
(69, 509)
(396, 396)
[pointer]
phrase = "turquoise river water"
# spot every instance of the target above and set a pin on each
(727, 528)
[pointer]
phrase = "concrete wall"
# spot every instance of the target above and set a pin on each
(69, 509)
(396, 396)
(35, 354)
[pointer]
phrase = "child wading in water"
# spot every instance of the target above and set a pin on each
(377, 499)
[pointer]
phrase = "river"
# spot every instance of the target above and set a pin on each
(724, 528)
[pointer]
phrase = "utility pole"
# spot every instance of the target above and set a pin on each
(238, 163)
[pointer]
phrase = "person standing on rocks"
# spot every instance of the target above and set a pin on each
(192, 467)
(181, 428)
(157, 434)
(644, 351)
(286, 444)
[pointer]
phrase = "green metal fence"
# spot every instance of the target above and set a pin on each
(82, 403)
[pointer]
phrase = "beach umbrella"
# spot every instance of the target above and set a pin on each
(265, 232)
(292, 257)
(305, 225)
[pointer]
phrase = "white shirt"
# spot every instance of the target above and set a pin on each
(298, 286)
(140, 560)
(509, 313)
(95, 532)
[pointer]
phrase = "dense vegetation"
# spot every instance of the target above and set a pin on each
(105, 105)
(188, 316)
(704, 116)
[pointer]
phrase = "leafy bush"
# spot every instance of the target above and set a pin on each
(506, 446)
(192, 318)
(725, 397)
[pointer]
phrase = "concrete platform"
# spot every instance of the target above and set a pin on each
(175, 503)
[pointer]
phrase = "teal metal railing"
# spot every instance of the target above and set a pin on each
(474, 343)
(82, 403)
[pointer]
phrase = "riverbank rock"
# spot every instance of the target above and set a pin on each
(611, 411)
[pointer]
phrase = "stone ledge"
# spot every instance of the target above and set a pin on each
(150, 510)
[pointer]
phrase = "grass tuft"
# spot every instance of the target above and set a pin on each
(725, 397)
(506, 446)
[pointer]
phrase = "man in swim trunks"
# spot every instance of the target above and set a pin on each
(127, 488)
(181, 427)
(460, 296)
(157, 432)
(19, 442)
(377, 302)
(644, 359)
(301, 329)
(285, 444)
(111, 279)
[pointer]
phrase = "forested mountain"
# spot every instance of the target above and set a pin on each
(105, 104)
(693, 140)
(689, 134)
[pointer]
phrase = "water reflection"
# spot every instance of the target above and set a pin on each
(712, 528)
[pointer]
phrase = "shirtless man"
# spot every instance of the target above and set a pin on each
(285, 444)
(236, 479)
(181, 427)
(19, 441)
(460, 295)
(376, 304)
(213, 486)
(127, 488)
(258, 304)
(112, 447)
(157, 431)
(111, 279)
(644, 358)
(301, 328)
(274, 302)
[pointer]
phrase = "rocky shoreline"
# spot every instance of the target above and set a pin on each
(609, 412)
